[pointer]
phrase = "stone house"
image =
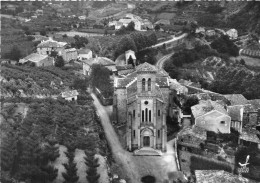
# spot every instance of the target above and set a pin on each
(141, 102)
(191, 137)
(211, 116)
(236, 99)
(84, 54)
(69, 54)
(232, 33)
(127, 56)
(38, 59)
(236, 113)
(210, 33)
(46, 47)
(87, 64)
(70, 95)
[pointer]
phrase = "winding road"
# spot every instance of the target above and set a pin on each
(160, 62)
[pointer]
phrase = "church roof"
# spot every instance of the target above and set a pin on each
(146, 67)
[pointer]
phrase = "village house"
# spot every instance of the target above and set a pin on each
(236, 113)
(211, 116)
(191, 138)
(232, 33)
(69, 54)
(84, 54)
(210, 33)
(70, 95)
(38, 59)
(141, 102)
(87, 64)
(125, 21)
(46, 47)
(236, 99)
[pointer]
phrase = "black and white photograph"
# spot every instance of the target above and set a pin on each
(130, 91)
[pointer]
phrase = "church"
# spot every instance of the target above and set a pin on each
(141, 101)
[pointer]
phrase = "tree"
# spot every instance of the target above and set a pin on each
(80, 84)
(121, 31)
(131, 61)
(189, 102)
(92, 164)
(157, 27)
(43, 32)
(14, 54)
(131, 26)
(64, 35)
(126, 43)
(59, 62)
(54, 54)
(71, 170)
(100, 78)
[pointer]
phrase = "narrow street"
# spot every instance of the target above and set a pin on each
(161, 167)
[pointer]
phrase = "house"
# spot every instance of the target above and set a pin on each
(128, 54)
(125, 21)
(236, 99)
(210, 33)
(39, 12)
(216, 176)
(250, 137)
(200, 30)
(191, 138)
(177, 87)
(38, 59)
(87, 64)
(146, 24)
(236, 113)
(141, 102)
(69, 54)
(232, 33)
(211, 116)
(83, 17)
(70, 95)
(130, 6)
(46, 47)
(84, 54)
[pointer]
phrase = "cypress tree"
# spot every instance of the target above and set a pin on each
(71, 170)
(92, 164)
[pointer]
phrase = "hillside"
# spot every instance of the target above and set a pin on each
(35, 82)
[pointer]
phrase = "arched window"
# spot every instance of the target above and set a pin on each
(149, 84)
(143, 84)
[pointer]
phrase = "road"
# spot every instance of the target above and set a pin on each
(160, 63)
(121, 156)
(135, 167)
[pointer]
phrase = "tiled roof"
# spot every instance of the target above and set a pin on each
(35, 57)
(251, 135)
(70, 50)
(162, 72)
(99, 60)
(122, 82)
(206, 106)
(235, 112)
(248, 108)
(236, 99)
(219, 176)
(125, 67)
(70, 93)
(162, 81)
(132, 88)
(195, 131)
(146, 67)
(255, 103)
(83, 51)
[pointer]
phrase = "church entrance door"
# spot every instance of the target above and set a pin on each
(146, 141)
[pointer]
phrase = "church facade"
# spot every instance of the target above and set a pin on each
(141, 101)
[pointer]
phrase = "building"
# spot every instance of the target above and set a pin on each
(39, 12)
(236, 99)
(125, 21)
(141, 102)
(38, 59)
(211, 116)
(70, 95)
(46, 47)
(210, 33)
(216, 176)
(128, 54)
(87, 64)
(236, 113)
(84, 54)
(232, 33)
(69, 54)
